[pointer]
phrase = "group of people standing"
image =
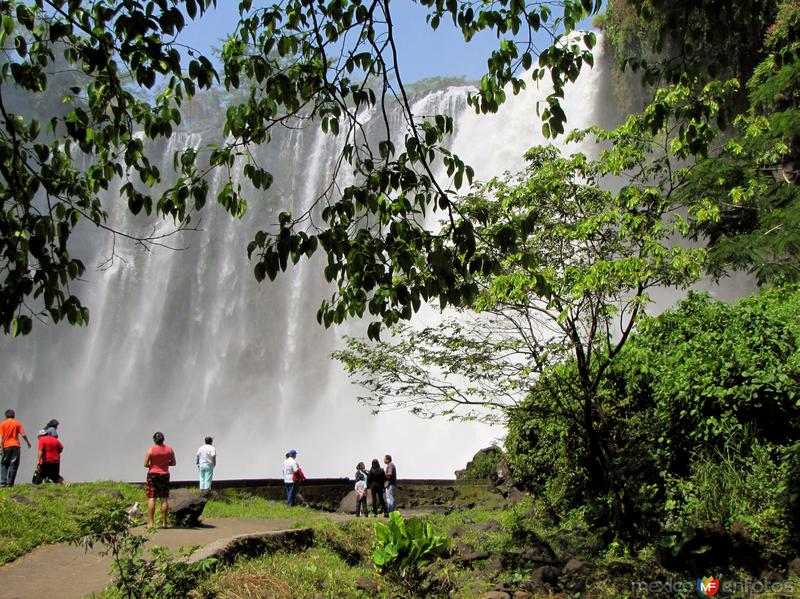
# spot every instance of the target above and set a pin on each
(48, 453)
(381, 484)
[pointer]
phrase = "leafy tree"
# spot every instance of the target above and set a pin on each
(470, 367)
(297, 61)
(566, 267)
(750, 218)
(670, 41)
(757, 222)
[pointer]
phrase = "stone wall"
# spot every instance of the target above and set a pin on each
(327, 493)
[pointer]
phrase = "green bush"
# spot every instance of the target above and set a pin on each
(738, 485)
(402, 548)
(483, 464)
(696, 417)
(708, 369)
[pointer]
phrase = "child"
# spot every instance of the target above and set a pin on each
(361, 490)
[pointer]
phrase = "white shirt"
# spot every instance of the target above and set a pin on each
(205, 455)
(289, 468)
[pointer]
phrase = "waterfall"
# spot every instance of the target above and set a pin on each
(186, 342)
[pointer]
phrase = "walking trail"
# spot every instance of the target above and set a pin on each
(67, 571)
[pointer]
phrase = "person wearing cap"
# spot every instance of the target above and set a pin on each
(157, 460)
(290, 467)
(206, 459)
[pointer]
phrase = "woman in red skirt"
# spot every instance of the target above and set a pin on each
(157, 460)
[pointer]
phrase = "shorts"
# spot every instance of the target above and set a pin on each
(157, 485)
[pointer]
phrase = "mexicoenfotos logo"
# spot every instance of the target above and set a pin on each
(707, 587)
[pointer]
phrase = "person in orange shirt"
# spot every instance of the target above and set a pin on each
(10, 431)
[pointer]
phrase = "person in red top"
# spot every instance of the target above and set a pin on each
(10, 431)
(157, 460)
(50, 449)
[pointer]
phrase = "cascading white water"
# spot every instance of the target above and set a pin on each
(188, 343)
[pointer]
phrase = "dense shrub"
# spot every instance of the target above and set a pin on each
(708, 369)
(483, 465)
(696, 417)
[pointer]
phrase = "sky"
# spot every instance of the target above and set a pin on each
(422, 52)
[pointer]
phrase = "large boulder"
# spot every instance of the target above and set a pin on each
(187, 506)
(254, 545)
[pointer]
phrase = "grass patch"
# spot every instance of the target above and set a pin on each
(245, 505)
(319, 572)
(48, 513)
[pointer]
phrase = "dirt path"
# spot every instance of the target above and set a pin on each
(67, 572)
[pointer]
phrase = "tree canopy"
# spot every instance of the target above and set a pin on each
(753, 219)
(295, 61)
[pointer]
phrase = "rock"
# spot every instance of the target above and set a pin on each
(368, 585)
(494, 565)
(457, 531)
(536, 555)
(496, 595)
(348, 504)
(771, 576)
(463, 548)
(577, 565)
(502, 473)
(21, 499)
(521, 595)
(793, 570)
(255, 545)
(488, 526)
(187, 506)
(543, 579)
(472, 557)
(134, 512)
(514, 496)
(575, 575)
